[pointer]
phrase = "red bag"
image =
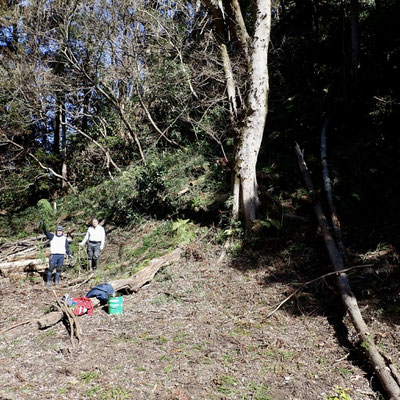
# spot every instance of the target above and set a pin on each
(83, 303)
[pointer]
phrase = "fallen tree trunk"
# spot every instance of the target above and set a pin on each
(14, 255)
(384, 368)
(24, 242)
(27, 254)
(132, 284)
(21, 249)
(8, 268)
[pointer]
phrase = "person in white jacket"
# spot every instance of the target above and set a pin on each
(96, 237)
(59, 247)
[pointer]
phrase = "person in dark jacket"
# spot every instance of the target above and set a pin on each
(59, 246)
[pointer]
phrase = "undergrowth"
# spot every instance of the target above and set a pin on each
(173, 185)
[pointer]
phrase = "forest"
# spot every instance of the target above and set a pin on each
(258, 138)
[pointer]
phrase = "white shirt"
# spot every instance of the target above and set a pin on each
(57, 244)
(95, 235)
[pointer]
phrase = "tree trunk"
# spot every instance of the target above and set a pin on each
(57, 129)
(63, 144)
(230, 81)
(355, 38)
(231, 29)
(8, 268)
(245, 181)
(384, 368)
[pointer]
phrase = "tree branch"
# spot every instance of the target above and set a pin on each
(43, 166)
(103, 149)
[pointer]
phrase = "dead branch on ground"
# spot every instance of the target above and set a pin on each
(74, 327)
(16, 326)
(303, 285)
(33, 265)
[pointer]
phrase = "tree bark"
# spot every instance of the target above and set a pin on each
(231, 29)
(9, 268)
(385, 370)
(63, 142)
(246, 196)
(230, 81)
(328, 189)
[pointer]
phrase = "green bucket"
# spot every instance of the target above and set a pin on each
(115, 305)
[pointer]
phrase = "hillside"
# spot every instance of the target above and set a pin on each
(182, 126)
(199, 330)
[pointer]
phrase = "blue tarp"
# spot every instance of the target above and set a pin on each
(101, 292)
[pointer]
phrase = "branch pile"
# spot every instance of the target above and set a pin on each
(22, 256)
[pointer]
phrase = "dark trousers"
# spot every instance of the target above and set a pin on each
(93, 250)
(56, 261)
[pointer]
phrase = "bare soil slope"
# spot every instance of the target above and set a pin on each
(197, 331)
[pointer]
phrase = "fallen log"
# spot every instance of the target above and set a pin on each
(147, 274)
(9, 268)
(24, 242)
(132, 284)
(27, 254)
(15, 251)
(384, 368)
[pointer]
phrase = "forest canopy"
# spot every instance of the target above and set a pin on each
(92, 89)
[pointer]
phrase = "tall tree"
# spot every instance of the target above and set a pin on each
(252, 44)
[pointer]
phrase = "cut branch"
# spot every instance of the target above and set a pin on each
(303, 285)
(15, 326)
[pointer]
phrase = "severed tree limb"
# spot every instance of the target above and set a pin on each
(79, 282)
(29, 265)
(387, 378)
(16, 326)
(147, 274)
(302, 285)
(70, 322)
(23, 243)
(78, 329)
(132, 284)
(65, 313)
(74, 327)
(15, 255)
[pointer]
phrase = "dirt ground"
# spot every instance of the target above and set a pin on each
(198, 331)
